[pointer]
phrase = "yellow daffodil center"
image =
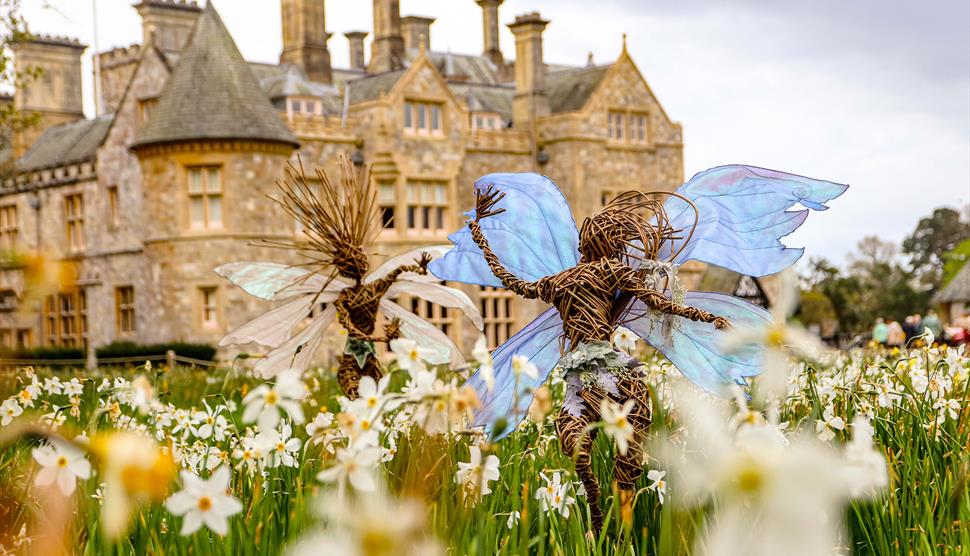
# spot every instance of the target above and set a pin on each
(621, 422)
(375, 542)
(205, 503)
(365, 425)
(413, 354)
(272, 397)
(371, 401)
(25, 394)
(750, 478)
(775, 337)
(62, 461)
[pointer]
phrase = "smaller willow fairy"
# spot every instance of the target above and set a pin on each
(620, 268)
(340, 222)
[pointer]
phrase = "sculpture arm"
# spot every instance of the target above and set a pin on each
(656, 300)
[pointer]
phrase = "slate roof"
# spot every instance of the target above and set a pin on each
(372, 86)
(212, 93)
(66, 144)
(958, 289)
(568, 90)
(286, 80)
(486, 98)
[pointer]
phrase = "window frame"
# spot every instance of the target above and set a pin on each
(74, 221)
(205, 196)
(66, 318)
(114, 211)
(9, 228)
(207, 308)
(497, 327)
(125, 310)
(418, 115)
(427, 212)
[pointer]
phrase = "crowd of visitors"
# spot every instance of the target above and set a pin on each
(893, 334)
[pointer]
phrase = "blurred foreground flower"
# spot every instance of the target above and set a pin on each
(134, 470)
(554, 495)
(355, 467)
(771, 495)
(204, 502)
(8, 410)
(485, 365)
(624, 339)
(615, 423)
(61, 463)
(410, 356)
(369, 524)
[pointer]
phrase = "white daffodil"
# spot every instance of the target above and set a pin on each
(74, 387)
(659, 484)
(779, 337)
(29, 393)
(828, 424)
(53, 386)
(283, 448)
(864, 467)
(321, 422)
(265, 402)
(410, 356)
(553, 496)
(514, 518)
(61, 463)
(8, 410)
(624, 339)
(615, 422)
(371, 396)
(252, 452)
(204, 502)
(475, 475)
(485, 365)
(211, 422)
(353, 467)
(522, 366)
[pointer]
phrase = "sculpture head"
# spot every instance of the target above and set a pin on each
(633, 225)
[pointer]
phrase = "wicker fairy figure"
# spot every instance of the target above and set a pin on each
(620, 268)
(340, 222)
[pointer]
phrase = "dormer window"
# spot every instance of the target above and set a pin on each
(303, 105)
(145, 107)
(422, 118)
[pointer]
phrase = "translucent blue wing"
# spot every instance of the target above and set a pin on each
(539, 343)
(273, 281)
(694, 347)
(536, 236)
(742, 216)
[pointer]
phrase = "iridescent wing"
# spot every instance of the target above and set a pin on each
(539, 343)
(274, 281)
(409, 257)
(536, 236)
(427, 335)
(742, 216)
(694, 347)
(297, 352)
(275, 326)
(440, 295)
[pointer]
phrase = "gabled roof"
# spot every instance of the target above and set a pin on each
(568, 90)
(958, 289)
(486, 98)
(372, 86)
(289, 80)
(66, 144)
(213, 94)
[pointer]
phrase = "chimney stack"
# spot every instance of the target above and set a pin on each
(167, 22)
(490, 30)
(55, 95)
(356, 42)
(387, 49)
(305, 38)
(416, 29)
(530, 101)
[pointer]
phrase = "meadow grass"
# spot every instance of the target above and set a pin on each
(925, 510)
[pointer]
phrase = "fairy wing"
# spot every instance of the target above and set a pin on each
(536, 236)
(426, 335)
(742, 216)
(273, 281)
(439, 295)
(539, 343)
(296, 352)
(694, 347)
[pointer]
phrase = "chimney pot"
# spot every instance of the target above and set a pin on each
(530, 101)
(305, 38)
(415, 27)
(356, 43)
(492, 51)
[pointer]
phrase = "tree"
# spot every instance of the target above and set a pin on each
(934, 235)
(13, 30)
(954, 259)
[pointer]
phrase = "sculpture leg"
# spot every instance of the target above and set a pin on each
(628, 467)
(348, 373)
(577, 442)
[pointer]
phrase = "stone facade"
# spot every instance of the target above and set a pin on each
(428, 129)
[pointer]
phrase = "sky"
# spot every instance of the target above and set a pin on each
(871, 93)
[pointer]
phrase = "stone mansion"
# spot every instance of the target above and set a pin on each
(170, 180)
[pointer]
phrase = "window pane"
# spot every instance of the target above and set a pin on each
(421, 124)
(215, 211)
(427, 193)
(426, 218)
(440, 194)
(213, 183)
(196, 211)
(412, 194)
(435, 117)
(440, 218)
(411, 224)
(407, 114)
(195, 180)
(386, 194)
(387, 217)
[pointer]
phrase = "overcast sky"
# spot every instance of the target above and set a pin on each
(872, 93)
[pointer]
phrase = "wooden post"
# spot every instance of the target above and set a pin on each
(170, 360)
(91, 364)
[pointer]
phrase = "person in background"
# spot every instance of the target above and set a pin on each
(896, 337)
(908, 329)
(917, 325)
(932, 323)
(880, 332)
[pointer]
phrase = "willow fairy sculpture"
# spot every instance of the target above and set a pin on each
(620, 268)
(339, 225)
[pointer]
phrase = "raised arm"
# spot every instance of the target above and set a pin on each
(630, 282)
(421, 267)
(484, 203)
